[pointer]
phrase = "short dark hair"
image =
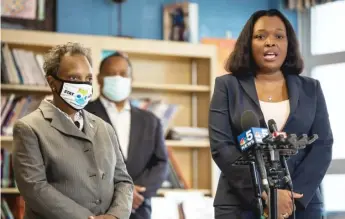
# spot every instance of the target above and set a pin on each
(117, 54)
(241, 61)
(53, 58)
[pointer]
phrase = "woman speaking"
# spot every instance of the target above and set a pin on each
(265, 67)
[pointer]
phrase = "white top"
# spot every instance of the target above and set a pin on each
(121, 121)
(279, 111)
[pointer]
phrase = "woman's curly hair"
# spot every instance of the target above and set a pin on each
(53, 58)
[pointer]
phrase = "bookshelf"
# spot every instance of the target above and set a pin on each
(187, 144)
(6, 141)
(20, 89)
(171, 87)
(174, 72)
(160, 192)
(9, 191)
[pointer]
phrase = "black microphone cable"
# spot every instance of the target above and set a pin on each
(288, 181)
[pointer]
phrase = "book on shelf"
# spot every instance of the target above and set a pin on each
(7, 176)
(183, 133)
(19, 66)
(6, 212)
(12, 207)
(176, 179)
(182, 205)
(164, 111)
(14, 107)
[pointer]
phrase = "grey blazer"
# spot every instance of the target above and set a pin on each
(64, 173)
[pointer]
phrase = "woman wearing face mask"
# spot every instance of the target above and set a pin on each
(140, 132)
(265, 66)
(67, 162)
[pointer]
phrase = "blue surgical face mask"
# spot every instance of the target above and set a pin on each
(116, 88)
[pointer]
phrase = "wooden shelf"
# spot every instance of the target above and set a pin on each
(162, 192)
(169, 143)
(9, 191)
(22, 88)
(171, 87)
(6, 142)
(187, 144)
(139, 46)
(5, 139)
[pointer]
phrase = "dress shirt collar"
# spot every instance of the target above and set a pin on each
(108, 104)
(78, 117)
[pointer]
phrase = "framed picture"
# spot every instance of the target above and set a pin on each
(180, 22)
(28, 14)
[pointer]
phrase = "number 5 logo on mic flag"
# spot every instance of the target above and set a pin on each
(250, 137)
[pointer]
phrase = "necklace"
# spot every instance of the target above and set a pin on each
(270, 98)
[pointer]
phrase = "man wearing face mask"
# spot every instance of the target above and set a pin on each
(139, 132)
(67, 162)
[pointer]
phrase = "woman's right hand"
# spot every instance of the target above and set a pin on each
(285, 204)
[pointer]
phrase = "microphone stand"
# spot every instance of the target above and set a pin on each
(274, 173)
(279, 176)
(257, 190)
(277, 173)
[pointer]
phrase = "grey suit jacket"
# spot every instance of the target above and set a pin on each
(64, 173)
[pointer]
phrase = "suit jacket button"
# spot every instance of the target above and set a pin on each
(98, 202)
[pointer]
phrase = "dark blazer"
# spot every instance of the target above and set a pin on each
(308, 114)
(147, 161)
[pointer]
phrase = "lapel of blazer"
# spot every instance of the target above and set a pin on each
(90, 125)
(293, 91)
(60, 122)
(248, 85)
(136, 129)
(100, 110)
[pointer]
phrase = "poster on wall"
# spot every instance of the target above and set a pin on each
(25, 9)
(180, 22)
(28, 14)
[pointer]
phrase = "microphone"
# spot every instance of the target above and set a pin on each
(251, 140)
(252, 134)
(287, 144)
(274, 130)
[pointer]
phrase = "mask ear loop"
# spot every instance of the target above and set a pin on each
(58, 79)
(60, 91)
